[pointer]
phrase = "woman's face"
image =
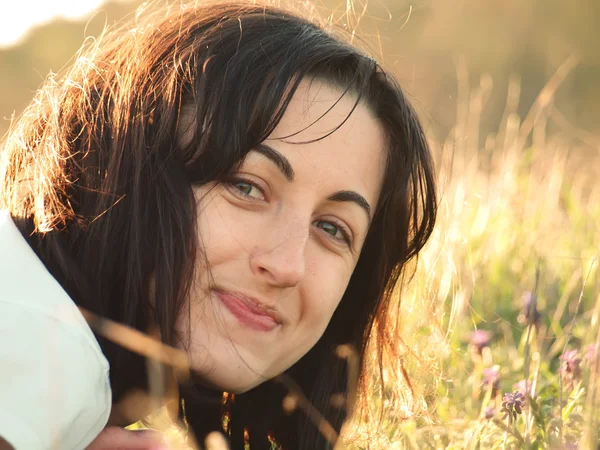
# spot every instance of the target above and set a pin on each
(281, 240)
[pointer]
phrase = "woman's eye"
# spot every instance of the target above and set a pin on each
(336, 231)
(247, 189)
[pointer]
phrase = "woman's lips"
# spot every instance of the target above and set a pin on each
(247, 316)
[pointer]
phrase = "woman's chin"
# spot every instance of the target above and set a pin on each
(229, 383)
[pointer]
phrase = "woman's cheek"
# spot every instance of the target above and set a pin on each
(223, 225)
(327, 286)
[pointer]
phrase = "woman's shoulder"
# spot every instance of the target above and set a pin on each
(54, 383)
(26, 285)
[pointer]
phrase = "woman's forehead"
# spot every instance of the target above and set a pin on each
(315, 110)
(324, 133)
(332, 140)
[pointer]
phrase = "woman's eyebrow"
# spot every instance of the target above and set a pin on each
(286, 168)
(278, 159)
(351, 196)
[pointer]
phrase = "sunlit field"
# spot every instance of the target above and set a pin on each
(500, 323)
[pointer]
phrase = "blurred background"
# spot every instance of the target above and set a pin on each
(425, 42)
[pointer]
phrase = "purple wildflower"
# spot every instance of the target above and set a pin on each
(592, 352)
(491, 378)
(490, 412)
(479, 340)
(512, 405)
(524, 387)
(529, 313)
(570, 362)
(570, 367)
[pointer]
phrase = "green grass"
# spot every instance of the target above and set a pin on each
(520, 215)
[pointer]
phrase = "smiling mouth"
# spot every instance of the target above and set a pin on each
(246, 312)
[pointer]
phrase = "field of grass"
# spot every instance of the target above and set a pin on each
(506, 295)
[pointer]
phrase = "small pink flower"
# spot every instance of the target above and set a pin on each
(480, 339)
(491, 377)
(592, 352)
(525, 387)
(529, 313)
(570, 362)
(570, 369)
(490, 412)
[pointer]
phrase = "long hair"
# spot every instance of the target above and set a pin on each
(102, 189)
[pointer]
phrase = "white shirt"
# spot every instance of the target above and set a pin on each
(54, 383)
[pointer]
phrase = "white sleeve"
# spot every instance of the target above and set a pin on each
(54, 387)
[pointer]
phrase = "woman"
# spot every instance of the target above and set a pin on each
(238, 178)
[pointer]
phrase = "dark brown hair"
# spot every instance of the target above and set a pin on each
(102, 189)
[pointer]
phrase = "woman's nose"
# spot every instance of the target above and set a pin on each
(281, 261)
